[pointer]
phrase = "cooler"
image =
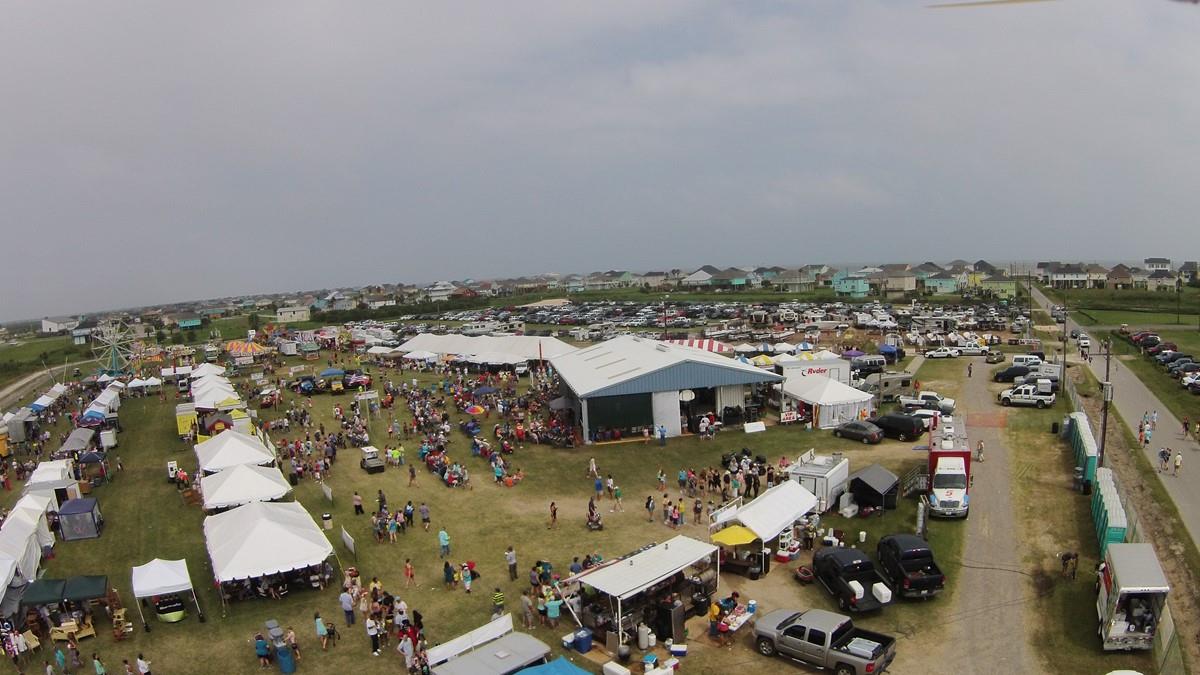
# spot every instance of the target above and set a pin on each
(583, 641)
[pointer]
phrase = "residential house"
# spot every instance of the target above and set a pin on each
(1069, 275)
(187, 321)
(898, 282)
(293, 313)
(795, 281)
(768, 274)
(701, 277)
(986, 268)
(960, 264)
(438, 291)
(926, 270)
(1157, 264)
(462, 292)
(851, 286)
(731, 278)
(376, 301)
(1097, 276)
(654, 279)
(1141, 277)
(55, 325)
(1161, 280)
(1120, 277)
(942, 283)
(1000, 286)
(1189, 271)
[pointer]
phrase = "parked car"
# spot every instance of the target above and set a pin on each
(971, 350)
(1010, 373)
(1026, 394)
(851, 578)
(1178, 371)
(994, 356)
(942, 353)
(1162, 347)
(825, 640)
(859, 431)
(927, 400)
(899, 426)
(906, 561)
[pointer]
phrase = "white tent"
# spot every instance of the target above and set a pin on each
(153, 382)
(206, 370)
(773, 511)
(33, 509)
(19, 542)
(833, 402)
(232, 448)
(57, 390)
(785, 358)
(137, 383)
(105, 377)
(177, 371)
(784, 348)
(379, 350)
(263, 538)
(160, 577)
(527, 347)
(745, 348)
(243, 484)
(50, 476)
(420, 355)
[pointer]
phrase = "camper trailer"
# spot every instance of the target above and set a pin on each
(888, 386)
(823, 475)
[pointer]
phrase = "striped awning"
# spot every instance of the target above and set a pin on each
(715, 346)
(244, 348)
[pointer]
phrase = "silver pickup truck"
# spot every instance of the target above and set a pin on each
(825, 640)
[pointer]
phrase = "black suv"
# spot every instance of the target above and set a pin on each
(1011, 373)
(899, 426)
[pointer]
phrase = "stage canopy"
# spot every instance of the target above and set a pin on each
(263, 538)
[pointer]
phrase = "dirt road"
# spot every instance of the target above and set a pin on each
(11, 394)
(988, 612)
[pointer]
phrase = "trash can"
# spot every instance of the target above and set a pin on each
(327, 518)
(293, 479)
(285, 659)
(1054, 428)
(1087, 487)
(583, 641)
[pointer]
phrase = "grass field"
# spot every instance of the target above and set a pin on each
(145, 518)
(1127, 300)
(27, 356)
(1111, 317)
(1180, 401)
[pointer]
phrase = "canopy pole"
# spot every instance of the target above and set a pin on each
(145, 626)
(620, 622)
(199, 612)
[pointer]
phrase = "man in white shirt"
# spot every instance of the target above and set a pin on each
(143, 666)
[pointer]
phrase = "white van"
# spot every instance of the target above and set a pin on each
(1028, 360)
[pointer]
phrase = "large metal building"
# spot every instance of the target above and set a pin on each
(630, 383)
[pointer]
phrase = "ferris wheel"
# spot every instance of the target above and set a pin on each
(112, 345)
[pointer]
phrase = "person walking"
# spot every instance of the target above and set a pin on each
(358, 504)
(599, 488)
(617, 505)
(468, 576)
(1149, 432)
(322, 635)
(347, 603)
(410, 574)
(1178, 463)
(412, 475)
(1164, 456)
(424, 511)
(444, 543)
(98, 665)
(510, 559)
(969, 368)
(497, 602)
(143, 665)
(553, 516)
(662, 434)
(650, 508)
(1154, 419)
(979, 452)
(1187, 426)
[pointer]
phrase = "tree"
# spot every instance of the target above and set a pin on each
(253, 320)
(191, 336)
(159, 336)
(177, 339)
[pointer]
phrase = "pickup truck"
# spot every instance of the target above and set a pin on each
(851, 578)
(825, 640)
(929, 400)
(1026, 394)
(907, 562)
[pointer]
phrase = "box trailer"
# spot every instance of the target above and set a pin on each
(1132, 600)
(823, 475)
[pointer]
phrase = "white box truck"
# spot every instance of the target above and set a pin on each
(1132, 598)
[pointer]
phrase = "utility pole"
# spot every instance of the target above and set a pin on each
(1106, 392)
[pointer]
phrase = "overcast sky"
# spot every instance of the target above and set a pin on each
(160, 151)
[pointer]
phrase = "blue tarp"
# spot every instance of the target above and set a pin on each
(887, 349)
(332, 372)
(559, 666)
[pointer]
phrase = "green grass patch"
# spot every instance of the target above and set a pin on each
(1181, 402)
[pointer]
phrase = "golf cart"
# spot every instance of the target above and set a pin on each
(336, 387)
(371, 462)
(268, 398)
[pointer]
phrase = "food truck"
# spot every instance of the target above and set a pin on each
(1132, 598)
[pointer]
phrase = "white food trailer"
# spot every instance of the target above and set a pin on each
(1132, 598)
(823, 475)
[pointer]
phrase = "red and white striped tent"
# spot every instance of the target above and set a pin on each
(715, 346)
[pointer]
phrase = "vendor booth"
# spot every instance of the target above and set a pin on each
(54, 479)
(80, 519)
(69, 604)
(232, 448)
(755, 526)
(163, 582)
(659, 586)
(243, 484)
(265, 539)
(830, 401)
(492, 649)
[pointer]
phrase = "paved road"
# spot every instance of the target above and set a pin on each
(1132, 399)
(988, 611)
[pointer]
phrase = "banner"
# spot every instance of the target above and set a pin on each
(348, 542)
(328, 492)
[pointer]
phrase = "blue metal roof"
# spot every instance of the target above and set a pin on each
(685, 375)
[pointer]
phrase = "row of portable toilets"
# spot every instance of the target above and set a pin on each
(1108, 514)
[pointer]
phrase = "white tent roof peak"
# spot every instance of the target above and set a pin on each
(263, 538)
(159, 577)
(631, 575)
(231, 448)
(776, 509)
(243, 484)
(820, 390)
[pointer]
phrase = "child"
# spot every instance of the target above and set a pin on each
(467, 577)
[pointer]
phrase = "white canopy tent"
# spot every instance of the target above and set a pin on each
(206, 370)
(263, 538)
(153, 382)
(379, 350)
(162, 577)
(51, 476)
(137, 383)
(177, 371)
(232, 448)
(771, 512)
(420, 355)
(529, 348)
(626, 577)
(243, 484)
(33, 508)
(832, 402)
(19, 542)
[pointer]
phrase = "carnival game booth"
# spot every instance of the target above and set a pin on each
(243, 484)
(831, 402)
(232, 448)
(492, 649)
(747, 532)
(264, 548)
(641, 588)
(164, 584)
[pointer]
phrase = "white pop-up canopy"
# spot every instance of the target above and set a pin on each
(833, 402)
(161, 577)
(206, 370)
(232, 448)
(420, 355)
(153, 381)
(773, 511)
(630, 576)
(263, 538)
(243, 484)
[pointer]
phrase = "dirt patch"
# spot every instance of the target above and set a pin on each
(1157, 526)
(996, 420)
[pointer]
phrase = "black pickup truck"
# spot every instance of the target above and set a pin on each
(850, 577)
(907, 562)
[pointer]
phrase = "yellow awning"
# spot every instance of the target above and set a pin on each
(734, 535)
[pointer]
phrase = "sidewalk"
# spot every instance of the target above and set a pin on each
(1132, 399)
